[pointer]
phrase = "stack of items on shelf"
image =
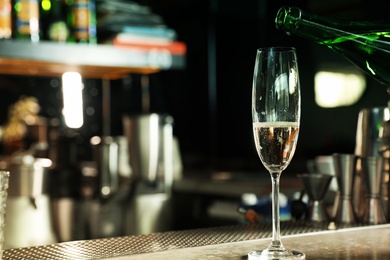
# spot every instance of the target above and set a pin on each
(126, 24)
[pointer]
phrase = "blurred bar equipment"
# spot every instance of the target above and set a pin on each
(151, 150)
(368, 143)
(104, 202)
(64, 184)
(316, 185)
(370, 121)
(373, 178)
(28, 219)
(25, 140)
(150, 141)
(106, 155)
(324, 164)
(384, 149)
(126, 190)
(345, 165)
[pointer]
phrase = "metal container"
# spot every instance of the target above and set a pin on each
(28, 219)
(369, 133)
(29, 178)
(370, 121)
(151, 147)
(150, 142)
(373, 177)
(316, 186)
(345, 165)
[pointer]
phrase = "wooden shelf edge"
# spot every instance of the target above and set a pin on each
(92, 61)
(23, 67)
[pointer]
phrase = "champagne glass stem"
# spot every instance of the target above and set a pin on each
(276, 241)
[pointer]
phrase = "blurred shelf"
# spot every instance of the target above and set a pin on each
(91, 61)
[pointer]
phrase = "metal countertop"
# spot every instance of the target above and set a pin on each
(131, 245)
(356, 243)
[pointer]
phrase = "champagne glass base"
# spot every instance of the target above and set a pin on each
(268, 254)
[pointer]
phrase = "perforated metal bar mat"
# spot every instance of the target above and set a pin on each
(128, 245)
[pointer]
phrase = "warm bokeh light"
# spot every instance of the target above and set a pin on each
(338, 89)
(72, 92)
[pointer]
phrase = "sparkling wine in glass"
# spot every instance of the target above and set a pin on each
(276, 109)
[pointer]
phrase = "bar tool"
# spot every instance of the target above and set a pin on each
(371, 141)
(384, 149)
(316, 186)
(373, 177)
(345, 165)
(324, 164)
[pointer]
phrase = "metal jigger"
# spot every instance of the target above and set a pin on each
(373, 175)
(316, 186)
(345, 172)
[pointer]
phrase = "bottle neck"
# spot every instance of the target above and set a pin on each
(324, 30)
(365, 43)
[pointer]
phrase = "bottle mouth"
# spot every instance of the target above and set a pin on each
(285, 16)
(281, 17)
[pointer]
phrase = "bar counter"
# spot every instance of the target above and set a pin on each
(227, 242)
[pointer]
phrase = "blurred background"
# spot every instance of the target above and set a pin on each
(209, 100)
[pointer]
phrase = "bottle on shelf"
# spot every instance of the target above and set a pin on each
(364, 43)
(5, 19)
(26, 20)
(82, 21)
(54, 21)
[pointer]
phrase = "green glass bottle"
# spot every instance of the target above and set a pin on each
(364, 43)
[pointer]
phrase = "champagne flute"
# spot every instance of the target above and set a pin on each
(276, 109)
